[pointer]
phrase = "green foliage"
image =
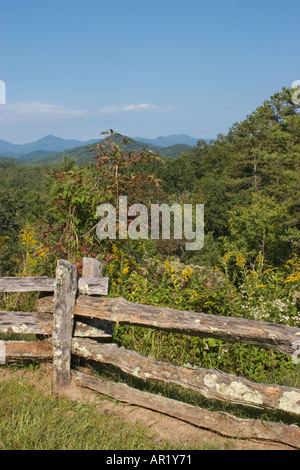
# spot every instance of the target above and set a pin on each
(11, 207)
(248, 181)
(258, 228)
(66, 228)
(259, 156)
(233, 289)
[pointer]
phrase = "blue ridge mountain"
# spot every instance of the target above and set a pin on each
(52, 144)
(49, 144)
(172, 140)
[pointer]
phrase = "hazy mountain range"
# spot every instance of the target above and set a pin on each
(171, 140)
(52, 144)
(45, 146)
(52, 149)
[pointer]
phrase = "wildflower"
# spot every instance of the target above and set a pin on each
(252, 273)
(240, 260)
(215, 269)
(194, 292)
(260, 258)
(227, 256)
(167, 264)
(267, 271)
(125, 270)
(293, 278)
(187, 273)
(35, 251)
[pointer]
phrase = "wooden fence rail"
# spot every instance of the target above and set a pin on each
(71, 313)
(280, 338)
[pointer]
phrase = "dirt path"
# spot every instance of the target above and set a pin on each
(165, 427)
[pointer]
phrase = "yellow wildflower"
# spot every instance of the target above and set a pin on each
(240, 260)
(267, 271)
(227, 256)
(35, 251)
(167, 264)
(187, 273)
(260, 258)
(293, 278)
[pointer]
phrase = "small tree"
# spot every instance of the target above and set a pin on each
(69, 227)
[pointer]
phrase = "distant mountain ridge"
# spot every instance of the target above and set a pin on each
(172, 140)
(85, 154)
(49, 144)
(52, 144)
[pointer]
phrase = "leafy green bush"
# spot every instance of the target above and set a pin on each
(232, 289)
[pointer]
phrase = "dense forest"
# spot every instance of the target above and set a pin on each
(248, 181)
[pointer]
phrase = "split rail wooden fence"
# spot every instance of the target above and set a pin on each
(75, 319)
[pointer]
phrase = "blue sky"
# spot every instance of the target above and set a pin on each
(73, 68)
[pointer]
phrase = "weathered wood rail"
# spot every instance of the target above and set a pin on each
(72, 318)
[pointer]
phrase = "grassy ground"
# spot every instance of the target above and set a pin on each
(32, 420)
(33, 416)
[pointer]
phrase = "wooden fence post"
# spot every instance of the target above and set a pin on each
(64, 303)
(91, 268)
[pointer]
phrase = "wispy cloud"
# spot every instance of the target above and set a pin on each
(43, 113)
(134, 108)
(39, 113)
(35, 112)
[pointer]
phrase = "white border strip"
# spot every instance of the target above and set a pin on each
(2, 352)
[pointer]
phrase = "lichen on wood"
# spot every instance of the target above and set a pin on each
(212, 384)
(64, 302)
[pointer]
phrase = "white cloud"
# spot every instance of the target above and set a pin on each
(141, 107)
(36, 113)
(133, 108)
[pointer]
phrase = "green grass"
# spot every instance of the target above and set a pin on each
(33, 420)
(18, 301)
